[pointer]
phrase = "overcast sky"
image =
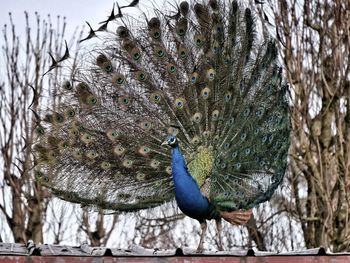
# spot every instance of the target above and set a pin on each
(75, 11)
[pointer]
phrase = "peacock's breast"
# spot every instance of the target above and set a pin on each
(201, 165)
(193, 204)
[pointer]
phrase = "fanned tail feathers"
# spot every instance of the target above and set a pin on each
(200, 75)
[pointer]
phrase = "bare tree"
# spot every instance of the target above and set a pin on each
(157, 229)
(23, 202)
(314, 39)
(96, 228)
(24, 96)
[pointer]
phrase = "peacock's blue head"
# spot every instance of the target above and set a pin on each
(171, 141)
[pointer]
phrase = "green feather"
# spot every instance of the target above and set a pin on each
(202, 76)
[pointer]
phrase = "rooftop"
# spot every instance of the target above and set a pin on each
(13, 252)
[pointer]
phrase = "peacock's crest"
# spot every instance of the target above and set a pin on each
(199, 75)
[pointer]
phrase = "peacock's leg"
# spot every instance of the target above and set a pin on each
(204, 230)
(219, 229)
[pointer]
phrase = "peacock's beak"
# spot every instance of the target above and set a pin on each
(165, 143)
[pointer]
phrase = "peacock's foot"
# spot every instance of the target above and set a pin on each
(199, 250)
(220, 247)
(204, 229)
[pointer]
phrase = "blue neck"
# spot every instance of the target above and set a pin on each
(187, 193)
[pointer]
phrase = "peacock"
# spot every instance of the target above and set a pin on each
(189, 104)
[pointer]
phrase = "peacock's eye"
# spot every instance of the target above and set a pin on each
(205, 93)
(124, 101)
(156, 97)
(63, 145)
(156, 35)
(108, 67)
(215, 47)
(211, 74)
(105, 165)
(67, 85)
(141, 76)
(246, 112)
(39, 174)
(137, 56)
(172, 140)
(179, 103)
(59, 118)
(195, 140)
(227, 146)
(40, 130)
(172, 69)
(206, 133)
(228, 96)
(183, 54)
(160, 53)
(92, 100)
